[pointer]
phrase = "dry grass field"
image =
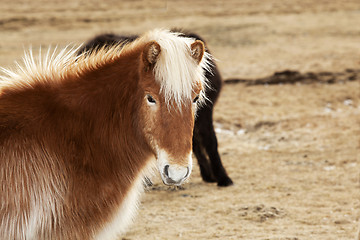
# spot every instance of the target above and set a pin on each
(292, 149)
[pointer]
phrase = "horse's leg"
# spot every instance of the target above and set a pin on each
(209, 141)
(205, 168)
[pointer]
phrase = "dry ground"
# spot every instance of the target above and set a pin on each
(291, 149)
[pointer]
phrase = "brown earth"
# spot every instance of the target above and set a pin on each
(290, 140)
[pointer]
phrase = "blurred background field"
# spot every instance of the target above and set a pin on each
(250, 38)
(292, 149)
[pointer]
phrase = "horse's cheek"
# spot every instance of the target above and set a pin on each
(149, 127)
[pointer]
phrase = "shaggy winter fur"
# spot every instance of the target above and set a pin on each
(78, 133)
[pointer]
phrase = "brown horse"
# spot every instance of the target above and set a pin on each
(77, 134)
(205, 146)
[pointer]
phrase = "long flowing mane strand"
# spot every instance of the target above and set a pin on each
(34, 69)
(55, 66)
(176, 71)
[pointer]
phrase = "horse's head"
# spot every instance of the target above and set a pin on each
(171, 82)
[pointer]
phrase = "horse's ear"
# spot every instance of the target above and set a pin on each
(151, 53)
(197, 50)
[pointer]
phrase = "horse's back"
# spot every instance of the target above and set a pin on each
(105, 40)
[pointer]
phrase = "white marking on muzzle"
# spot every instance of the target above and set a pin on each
(173, 174)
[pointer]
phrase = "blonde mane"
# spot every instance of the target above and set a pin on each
(176, 71)
(55, 65)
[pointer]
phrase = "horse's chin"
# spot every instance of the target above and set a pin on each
(170, 182)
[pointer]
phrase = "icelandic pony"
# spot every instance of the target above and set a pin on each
(205, 146)
(77, 134)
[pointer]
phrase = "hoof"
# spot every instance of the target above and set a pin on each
(225, 182)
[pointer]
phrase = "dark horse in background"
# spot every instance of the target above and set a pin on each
(205, 146)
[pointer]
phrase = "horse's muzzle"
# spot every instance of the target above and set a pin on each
(175, 174)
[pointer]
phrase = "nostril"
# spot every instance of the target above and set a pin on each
(166, 170)
(187, 173)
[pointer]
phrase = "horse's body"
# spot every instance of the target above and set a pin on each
(77, 135)
(204, 139)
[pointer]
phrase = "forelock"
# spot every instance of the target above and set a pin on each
(176, 71)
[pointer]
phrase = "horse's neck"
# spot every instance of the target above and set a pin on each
(101, 89)
(105, 99)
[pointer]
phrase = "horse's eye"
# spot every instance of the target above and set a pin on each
(150, 99)
(196, 99)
